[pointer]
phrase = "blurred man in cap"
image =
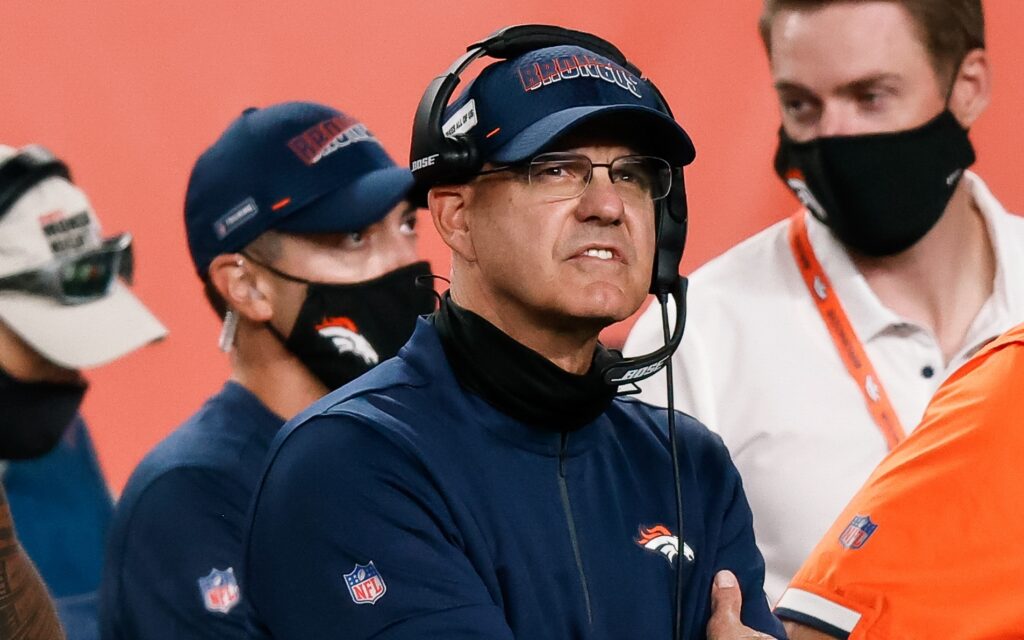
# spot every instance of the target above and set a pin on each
(64, 306)
(300, 231)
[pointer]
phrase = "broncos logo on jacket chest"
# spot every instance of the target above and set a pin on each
(659, 539)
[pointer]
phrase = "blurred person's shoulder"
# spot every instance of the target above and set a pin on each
(398, 400)
(227, 437)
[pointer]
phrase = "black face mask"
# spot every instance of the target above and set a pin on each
(343, 330)
(35, 415)
(878, 193)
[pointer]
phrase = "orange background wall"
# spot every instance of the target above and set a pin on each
(131, 91)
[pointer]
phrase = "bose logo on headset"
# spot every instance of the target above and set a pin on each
(423, 163)
(642, 372)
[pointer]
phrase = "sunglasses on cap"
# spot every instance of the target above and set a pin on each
(80, 278)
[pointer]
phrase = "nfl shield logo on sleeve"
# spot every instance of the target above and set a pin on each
(857, 532)
(220, 590)
(365, 584)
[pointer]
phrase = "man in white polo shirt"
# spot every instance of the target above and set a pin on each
(814, 346)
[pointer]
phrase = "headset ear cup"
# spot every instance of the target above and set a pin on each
(670, 237)
(461, 159)
(456, 160)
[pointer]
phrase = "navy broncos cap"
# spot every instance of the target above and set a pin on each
(296, 167)
(519, 107)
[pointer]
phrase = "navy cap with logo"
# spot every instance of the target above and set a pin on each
(295, 167)
(519, 107)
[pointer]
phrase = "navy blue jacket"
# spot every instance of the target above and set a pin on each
(175, 545)
(401, 506)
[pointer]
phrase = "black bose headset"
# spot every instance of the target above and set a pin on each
(27, 168)
(439, 159)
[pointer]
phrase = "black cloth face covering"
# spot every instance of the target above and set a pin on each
(343, 330)
(879, 194)
(35, 415)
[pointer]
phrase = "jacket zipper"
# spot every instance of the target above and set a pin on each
(567, 508)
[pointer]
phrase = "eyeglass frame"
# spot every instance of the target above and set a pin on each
(46, 279)
(525, 165)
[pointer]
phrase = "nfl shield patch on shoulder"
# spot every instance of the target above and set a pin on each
(220, 590)
(365, 584)
(857, 532)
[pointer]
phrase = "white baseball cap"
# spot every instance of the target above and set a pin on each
(53, 220)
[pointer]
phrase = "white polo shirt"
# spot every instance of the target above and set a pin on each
(758, 366)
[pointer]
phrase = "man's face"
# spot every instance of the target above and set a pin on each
(566, 264)
(852, 68)
(340, 258)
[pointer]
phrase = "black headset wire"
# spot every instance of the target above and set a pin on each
(427, 282)
(673, 443)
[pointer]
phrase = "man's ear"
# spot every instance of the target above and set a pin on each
(239, 287)
(449, 210)
(972, 88)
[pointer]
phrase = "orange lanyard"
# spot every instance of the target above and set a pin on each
(843, 336)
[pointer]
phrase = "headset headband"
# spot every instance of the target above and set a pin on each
(27, 168)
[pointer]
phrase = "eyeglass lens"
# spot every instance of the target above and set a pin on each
(566, 175)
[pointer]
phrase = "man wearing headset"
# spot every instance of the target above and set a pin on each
(301, 232)
(815, 346)
(488, 483)
(64, 307)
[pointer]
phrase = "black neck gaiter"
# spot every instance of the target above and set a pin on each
(516, 380)
(35, 415)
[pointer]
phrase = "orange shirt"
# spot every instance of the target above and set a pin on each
(932, 546)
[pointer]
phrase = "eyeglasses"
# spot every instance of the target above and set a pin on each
(81, 278)
(564, 176)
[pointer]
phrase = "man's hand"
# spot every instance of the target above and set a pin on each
(726, 601)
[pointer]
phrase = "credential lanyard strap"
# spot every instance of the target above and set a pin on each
(848, 345)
